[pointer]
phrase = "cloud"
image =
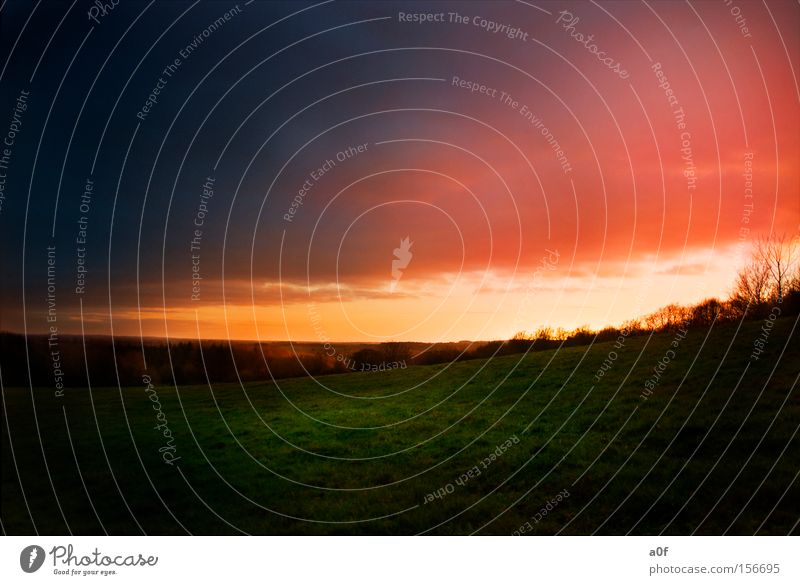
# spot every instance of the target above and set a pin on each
(685, 269)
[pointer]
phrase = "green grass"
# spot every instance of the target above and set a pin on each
(701, 454)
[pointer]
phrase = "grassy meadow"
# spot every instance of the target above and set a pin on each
(714, 449)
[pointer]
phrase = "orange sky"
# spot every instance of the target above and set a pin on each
(651, 210)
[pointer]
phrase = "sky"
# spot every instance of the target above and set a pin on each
(254, 167)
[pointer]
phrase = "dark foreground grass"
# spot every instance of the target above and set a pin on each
(713, 450)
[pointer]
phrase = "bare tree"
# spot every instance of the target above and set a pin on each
(752, 284)
(793, 282)
(778, 254)
(706, 312)
(667, 318)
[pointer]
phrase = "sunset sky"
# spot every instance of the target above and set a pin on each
(368, 124)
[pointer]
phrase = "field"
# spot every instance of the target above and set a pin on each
(714, 449)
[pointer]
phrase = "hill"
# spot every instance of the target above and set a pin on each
(682, 433)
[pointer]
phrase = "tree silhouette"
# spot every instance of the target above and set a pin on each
(751, 287)
(778, 255)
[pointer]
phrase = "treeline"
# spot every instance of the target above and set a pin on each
(770, 280)
(768, 283)
(110, 361)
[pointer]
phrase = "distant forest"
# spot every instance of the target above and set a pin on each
(767, 287)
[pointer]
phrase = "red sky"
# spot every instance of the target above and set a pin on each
(479, 190)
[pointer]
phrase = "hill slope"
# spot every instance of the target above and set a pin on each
(476, 446)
